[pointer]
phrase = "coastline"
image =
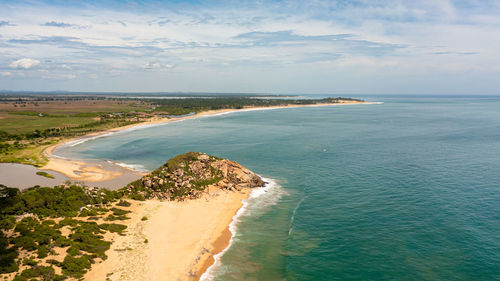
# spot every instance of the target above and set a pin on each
(85, 171)
(178, 241)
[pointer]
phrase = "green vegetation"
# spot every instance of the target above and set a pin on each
(42, 221)
(45, 174)
(113, 227)
(46, 273)
(123, 203)
(59, 201)
(32, 123)
(39, 234)
(176, 180)
(180, 161)
(186, 106)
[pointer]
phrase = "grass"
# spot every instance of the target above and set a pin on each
(31, 154)
(15, 123)
(45, 174)
(63, 119)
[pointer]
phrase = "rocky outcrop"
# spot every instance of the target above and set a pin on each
(190, 175)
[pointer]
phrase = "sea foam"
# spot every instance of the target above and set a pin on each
(259, 199)
(134, 167)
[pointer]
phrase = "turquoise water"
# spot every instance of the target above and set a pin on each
(405, 190)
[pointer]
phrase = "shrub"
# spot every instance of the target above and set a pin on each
(113, 227)
(123, 203)
(75, 267)
(7, 256)
(46, 273)
(43, 252)
(119, 212)
(137, 196)
(45, 174)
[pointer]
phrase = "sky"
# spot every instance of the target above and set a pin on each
(344, 47)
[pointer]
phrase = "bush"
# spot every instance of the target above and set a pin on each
(113, 227)
(137, 196)
(123, 203)
(7, 222)
(30, 262)
(119, 212)
(43, 252)
(45, 174)
(75, 267)
(46, 273)
(7, 256)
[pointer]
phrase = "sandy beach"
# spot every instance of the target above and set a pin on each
(177, 241)
(94, 173)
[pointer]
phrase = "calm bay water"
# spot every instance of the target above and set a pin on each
(405, 190)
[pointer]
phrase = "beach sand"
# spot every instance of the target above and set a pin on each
(176, 242)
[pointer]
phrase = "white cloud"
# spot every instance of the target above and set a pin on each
(24, 63)
(152, 65)
(5, 73)
(157, 65)
(298, 39)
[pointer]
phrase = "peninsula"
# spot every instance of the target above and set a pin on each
(167, 225)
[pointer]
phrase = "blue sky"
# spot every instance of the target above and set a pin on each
(335, 47)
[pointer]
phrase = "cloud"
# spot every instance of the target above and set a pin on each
(262, 38)
(157, 65)
(5, 73)
(49, 40)
(24, 63)
(64, 25)
(6, 23)
(456, 53)
(260, 45)
(344, 43)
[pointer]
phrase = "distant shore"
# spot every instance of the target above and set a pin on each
(80, 170)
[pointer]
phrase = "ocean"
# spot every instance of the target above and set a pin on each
(404, 190)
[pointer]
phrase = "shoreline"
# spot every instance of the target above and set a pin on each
(183, 238)
(194, 255)
(86, 171)
(172, 227)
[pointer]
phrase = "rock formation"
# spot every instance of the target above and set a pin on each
(191, 174)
